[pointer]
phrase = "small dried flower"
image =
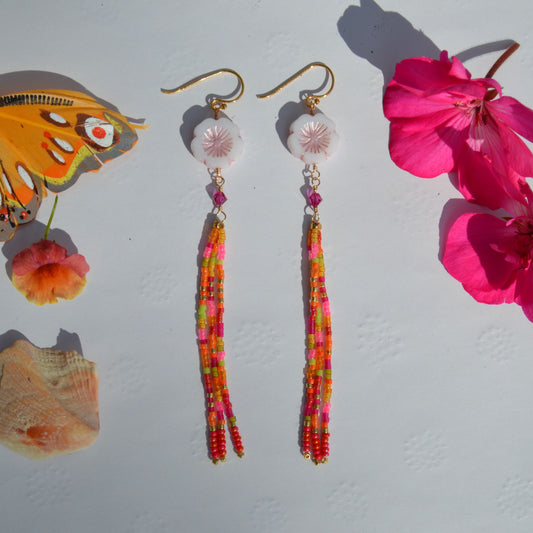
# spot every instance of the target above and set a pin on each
(44, 272)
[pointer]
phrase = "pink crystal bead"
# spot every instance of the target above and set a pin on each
(313, 197)
(219, 198)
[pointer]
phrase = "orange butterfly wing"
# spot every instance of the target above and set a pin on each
(48, 138)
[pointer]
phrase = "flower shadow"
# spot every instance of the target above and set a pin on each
(384, 38)
(287, 114)
(191, 118)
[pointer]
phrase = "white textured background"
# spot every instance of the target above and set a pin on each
(432, 402)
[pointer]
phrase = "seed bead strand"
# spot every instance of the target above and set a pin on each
(213, 352)
(308, 436)
(226, 402)
(327, 351)
(319, 342)
(205, 342)
(315, 431)
(218, 327)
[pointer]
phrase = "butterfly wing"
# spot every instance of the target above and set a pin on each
(48, 139)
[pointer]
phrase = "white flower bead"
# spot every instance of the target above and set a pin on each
(216, 143)
(312, 138)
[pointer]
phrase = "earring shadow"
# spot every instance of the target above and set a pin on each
(190, 119)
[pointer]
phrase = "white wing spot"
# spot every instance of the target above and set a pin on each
(58, 119)
(64, 145)
(23, 173)
(57, 157)
(5, 181)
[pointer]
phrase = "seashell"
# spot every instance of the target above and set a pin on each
(48, 401)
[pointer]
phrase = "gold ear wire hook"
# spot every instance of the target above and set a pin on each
(312, 100)
(216, 103)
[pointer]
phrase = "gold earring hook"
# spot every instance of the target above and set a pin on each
(312, 100)
(216, 103)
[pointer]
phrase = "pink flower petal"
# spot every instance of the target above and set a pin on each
(518, 156)
(511, 113)
(77, 263)
(399, 102)
(457, 69)
(481, 182)
(471, 258)
(524, 291)
(46, 251)
(424, 151)
(25, 262)
(422, 73)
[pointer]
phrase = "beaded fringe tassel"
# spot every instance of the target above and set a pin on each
(211, 343)
(315, 434)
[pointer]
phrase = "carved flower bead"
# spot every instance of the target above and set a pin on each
(312, 138)
(216, 143)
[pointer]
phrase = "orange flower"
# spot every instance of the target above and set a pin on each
(44, 272)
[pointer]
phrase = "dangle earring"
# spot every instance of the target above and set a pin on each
(216, 143)
(312, 138)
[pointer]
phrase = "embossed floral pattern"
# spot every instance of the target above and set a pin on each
(216, 143)
(312, 138)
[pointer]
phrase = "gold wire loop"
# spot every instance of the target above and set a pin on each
(311, 100)
(216, 103)
(219, 213)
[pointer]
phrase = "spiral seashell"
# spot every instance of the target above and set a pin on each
(48, 401)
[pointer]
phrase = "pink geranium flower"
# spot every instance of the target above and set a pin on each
(442, 120)
(492, 256)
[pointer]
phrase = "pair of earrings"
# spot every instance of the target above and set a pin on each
(217, 143)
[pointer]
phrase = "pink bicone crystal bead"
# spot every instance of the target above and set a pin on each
(219, 198)
(313, 197)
